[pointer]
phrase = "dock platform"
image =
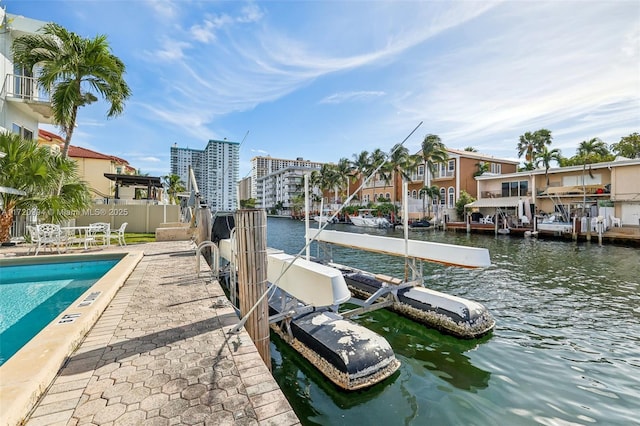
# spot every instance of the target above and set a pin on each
(160, 354)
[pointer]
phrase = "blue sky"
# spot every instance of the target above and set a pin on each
(325, 80)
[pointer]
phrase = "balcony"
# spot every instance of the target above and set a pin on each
(28, 96)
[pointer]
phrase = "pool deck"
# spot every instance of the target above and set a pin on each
(161, 354)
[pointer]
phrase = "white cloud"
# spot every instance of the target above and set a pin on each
(338, 98)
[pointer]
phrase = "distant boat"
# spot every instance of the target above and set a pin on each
(422, 223)
(365, 218)
(325, 217)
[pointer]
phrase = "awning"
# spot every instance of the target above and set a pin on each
(572, 190)
(495, 202)
(135, 180)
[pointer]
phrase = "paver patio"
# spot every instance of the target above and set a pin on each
(161, 354)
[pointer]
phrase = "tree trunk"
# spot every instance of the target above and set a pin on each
(6, 219)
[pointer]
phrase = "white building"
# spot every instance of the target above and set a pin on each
(262, 166)
(281, 187)
(216, 170)
(23, 105)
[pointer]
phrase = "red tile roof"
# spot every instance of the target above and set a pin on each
(79, 152)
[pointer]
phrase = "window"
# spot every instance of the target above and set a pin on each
(420, 170)
(443, 197)
(515, 188)
(22, 131)
(496, 168)
(414, 194)
(447, 169)
(451, 198)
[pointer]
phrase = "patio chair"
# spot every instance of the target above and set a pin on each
(32, 238)
(487, 219)
(615, 221)
(524, 220)
(49, 235)
(99, 233)
(118, 234)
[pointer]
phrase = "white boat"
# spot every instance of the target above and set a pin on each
(365, 218)
(324, 217)
(552, 224)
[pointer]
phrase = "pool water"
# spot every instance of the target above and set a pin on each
(31, 296)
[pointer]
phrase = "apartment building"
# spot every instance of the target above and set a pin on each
(263, 166)
(216, 170)
(281, 188)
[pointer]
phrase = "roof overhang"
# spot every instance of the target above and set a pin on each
(495, 202)
(135, 180)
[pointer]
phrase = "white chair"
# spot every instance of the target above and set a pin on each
(524, 220)
(615, 221)
(49, 235)
(99, 232)
(119, 235)
(32, 236)
(487, 219)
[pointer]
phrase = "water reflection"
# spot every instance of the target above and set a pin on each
(442, 355)
(564, 350)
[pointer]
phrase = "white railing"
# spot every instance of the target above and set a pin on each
(26, 88)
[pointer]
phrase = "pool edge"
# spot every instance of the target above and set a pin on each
(29, 372)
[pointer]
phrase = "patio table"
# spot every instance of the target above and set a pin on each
(77, 235)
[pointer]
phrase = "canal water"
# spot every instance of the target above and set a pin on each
(565, 350)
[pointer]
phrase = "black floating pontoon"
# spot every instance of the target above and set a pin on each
(348, 354)
(449, 314)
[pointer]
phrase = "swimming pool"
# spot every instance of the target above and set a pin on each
(33, 295)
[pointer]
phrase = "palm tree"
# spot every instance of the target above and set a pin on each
(34, 171)
(432, 192)
(532, 143)
(590, 152)
(73, 69)
(470, 149)
(483, 167)
(173, 184)
(344, 174)
(545, 157)
(433, 152)
(361, 167)
(401, 163)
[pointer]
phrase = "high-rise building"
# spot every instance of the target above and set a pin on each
(216, 169)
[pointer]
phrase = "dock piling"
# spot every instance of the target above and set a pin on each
(251, 236)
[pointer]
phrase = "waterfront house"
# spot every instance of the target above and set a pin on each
(452, 177)
(609, 189)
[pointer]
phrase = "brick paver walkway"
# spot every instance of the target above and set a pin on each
(161, 355)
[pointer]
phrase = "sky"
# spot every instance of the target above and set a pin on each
(325, 80)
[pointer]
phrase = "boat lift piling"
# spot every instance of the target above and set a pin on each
(251, 238)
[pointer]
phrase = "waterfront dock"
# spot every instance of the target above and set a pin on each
(625, 235)
(161, 354)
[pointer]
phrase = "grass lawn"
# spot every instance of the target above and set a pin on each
(136, 238)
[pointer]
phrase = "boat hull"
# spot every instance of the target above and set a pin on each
(370, 222)
(448, 314)
(350, 355)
